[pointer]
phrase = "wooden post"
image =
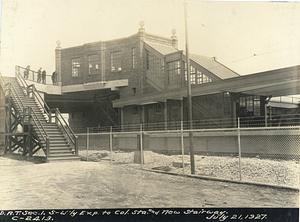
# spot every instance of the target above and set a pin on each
(56, 116)
(9, 123)
(24, 137)
(76, 145)
(29, 132)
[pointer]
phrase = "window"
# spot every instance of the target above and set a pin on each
(133, 58)
(174, 73)
(193, 75)
(134, 91)
(135, 110)
(251, 105)
(93, 64)
(75, 66)
(115, 61)
(197, 77)
(158, 108)
(256, 105)
(155, 65)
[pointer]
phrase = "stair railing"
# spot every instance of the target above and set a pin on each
(31, 89)
(2, 82)
(59, 120)
(11, 91)
(16, 96)
(58, 117)
(40, 128)
(20, 78)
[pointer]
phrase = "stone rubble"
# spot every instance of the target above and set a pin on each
(274, 172)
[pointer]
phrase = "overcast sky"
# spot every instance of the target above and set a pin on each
(247, 37)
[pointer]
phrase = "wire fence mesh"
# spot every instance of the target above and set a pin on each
(267, 155)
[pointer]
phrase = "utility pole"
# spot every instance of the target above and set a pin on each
(189, 92)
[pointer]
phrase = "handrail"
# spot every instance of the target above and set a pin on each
(39, 125)
(17, 95)
(33, 75)
(34, 91)
(40, 128)
(65, 126)
(20, 77)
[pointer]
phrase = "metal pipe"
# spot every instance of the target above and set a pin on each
(189, 96)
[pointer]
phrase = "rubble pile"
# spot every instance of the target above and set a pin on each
(276, 172)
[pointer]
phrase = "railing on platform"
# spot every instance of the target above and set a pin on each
(32, 92)
(245, 122)
(60, 121)
(32, 75)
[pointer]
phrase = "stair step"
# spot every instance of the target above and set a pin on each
(56, 159)
(61, 154)
(60, 150)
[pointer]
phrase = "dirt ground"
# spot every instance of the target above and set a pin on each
(78, 185)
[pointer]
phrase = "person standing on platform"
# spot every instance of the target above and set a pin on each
(54, 76)
(26, 72)
(44, 77)
(39, 76)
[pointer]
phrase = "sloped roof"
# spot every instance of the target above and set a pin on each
(208, 63)
(213, 66)
(162, 49)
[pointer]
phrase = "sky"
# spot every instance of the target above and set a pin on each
(247, 37)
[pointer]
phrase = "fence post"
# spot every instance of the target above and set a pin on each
(110, 143)
(182, 147)
(239, 144)
(87, 143)
(141, 142)
(76, 145)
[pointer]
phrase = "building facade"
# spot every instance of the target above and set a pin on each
(143, 79)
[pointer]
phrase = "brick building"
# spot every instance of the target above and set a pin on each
(142, 79)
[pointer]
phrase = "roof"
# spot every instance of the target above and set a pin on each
(213, 66)
(279, 82)
(162, 49)
(208, 63)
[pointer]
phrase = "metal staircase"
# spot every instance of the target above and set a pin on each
(32, 126)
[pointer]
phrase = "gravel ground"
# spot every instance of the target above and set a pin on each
(274, 172)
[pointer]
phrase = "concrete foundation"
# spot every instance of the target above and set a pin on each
(147, 157)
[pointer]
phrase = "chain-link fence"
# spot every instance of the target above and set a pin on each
(268, 155)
